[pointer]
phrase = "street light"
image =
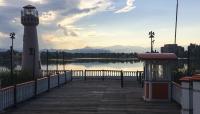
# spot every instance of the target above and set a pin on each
(152, 35)
(12, 36)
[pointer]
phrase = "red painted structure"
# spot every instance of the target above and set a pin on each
(157, 70)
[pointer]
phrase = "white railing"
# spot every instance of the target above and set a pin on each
(7, 97)
(106, 74)
(25, 91)
(15, 94)
(54, 81)
(42, 85)
(196, 97)
(62, 78)
(176, 92)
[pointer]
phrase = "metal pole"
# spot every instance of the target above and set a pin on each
(57, 57)
(85, 74)
(177, 5)
(63, 53)
(35, 78)
(71, 74)
(122, 79)
(188, 63)
(190, 83)
(63, 60)
(48, 70)
(57, 61)
(12, 36)
(151, 45)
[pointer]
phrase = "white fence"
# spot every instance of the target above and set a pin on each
(196, 97)
(6, 97)
(176, 92)
(15, 94)
(11, 95)
(25, 91)
(187, 95)
(107, 74)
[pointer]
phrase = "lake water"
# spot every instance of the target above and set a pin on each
(98, 66)
(89, 65)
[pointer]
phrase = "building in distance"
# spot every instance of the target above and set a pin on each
(174, 48)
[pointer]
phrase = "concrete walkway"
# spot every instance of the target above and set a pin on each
(94, 97)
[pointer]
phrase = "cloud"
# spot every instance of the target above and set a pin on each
(68, 31)
(3, 35)
(58, 18)
(129, 6)
(2, 2)
(52, 41)
(83, 9)
(48, 17)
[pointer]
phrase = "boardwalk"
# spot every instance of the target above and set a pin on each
(93, 97)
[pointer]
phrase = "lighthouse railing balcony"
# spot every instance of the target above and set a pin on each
(28, 12)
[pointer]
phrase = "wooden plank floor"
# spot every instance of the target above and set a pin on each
(93, 97)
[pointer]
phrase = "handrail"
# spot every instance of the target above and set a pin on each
(21, 84)
(6, 88)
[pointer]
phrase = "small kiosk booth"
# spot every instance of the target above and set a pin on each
(157, 75)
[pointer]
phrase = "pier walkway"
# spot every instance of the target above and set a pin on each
(93, 97)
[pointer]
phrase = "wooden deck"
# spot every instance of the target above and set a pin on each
(94, 97)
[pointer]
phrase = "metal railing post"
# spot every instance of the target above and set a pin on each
(142, 79)
(85, 74)
(34, 76)
(65, 77)
(71, 75)
(58, 79)
(47, 60)
(15, 95)
(103, 75)
(122, 79)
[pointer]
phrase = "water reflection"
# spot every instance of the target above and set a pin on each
(82, 64)
(97, 66)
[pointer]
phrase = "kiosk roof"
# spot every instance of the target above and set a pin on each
(157, 56)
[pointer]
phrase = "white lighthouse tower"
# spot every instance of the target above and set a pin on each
(30, 56)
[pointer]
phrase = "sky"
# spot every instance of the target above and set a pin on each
(72, 24)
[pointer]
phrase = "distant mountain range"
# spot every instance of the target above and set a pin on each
(111, 49)
(3, 50)
(126, 49)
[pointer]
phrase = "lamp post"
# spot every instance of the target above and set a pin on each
(12, 36)
(152, 35)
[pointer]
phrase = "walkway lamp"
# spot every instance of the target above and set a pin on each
(152, 36)
(12, 36)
